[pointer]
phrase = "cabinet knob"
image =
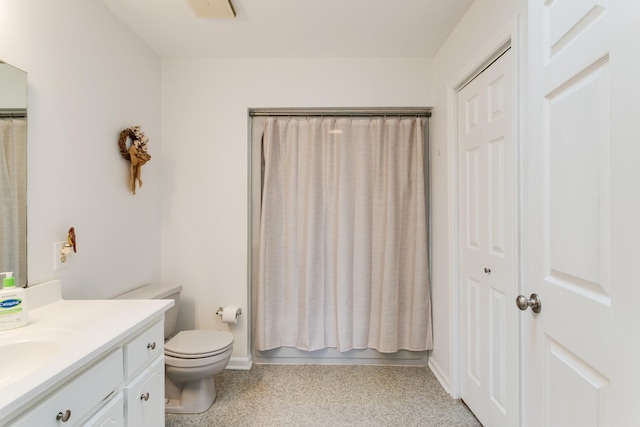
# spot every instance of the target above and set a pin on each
(63, 416)
(152, 345)
(144, 396)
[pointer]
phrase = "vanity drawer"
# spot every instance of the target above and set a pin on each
(77, 399)
(142, 349)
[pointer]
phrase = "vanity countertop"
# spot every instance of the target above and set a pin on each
(88, 328)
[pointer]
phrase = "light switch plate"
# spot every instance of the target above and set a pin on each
(57, 257)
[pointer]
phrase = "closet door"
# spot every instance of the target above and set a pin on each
(487, 245)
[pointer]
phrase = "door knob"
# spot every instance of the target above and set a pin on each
(533, 301)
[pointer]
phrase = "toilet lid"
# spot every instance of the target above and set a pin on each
(198, 343)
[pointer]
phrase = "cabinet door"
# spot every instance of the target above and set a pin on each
(111, 415)
(145, 397)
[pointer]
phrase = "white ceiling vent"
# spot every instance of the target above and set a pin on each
(213, 8)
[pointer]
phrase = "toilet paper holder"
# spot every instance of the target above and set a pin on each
(221, 309)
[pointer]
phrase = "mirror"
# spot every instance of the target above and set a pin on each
(13, 172)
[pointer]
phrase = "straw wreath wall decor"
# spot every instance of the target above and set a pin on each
(136, 153)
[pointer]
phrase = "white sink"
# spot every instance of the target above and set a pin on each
(26, 352)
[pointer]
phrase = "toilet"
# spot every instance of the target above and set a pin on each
(191, 358)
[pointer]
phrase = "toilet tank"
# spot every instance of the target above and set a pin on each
(159, 291)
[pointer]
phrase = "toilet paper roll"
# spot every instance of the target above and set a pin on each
(230, 315)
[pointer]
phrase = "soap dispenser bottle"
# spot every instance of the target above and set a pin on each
(13, 304)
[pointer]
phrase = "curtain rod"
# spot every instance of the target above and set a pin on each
(392, 112)
(15, 113)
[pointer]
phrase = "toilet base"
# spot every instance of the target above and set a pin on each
(193, 397)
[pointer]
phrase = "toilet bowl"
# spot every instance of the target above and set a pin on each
(192, 357)
(191, 360)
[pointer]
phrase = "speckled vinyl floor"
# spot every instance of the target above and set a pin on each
(320, 395)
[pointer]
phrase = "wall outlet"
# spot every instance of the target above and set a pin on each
(57, 257)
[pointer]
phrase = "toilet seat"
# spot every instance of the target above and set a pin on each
(220, 359)
(198, 344)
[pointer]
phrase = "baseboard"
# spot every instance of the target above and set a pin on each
(331, 356)
(240, 364)
(440, 375)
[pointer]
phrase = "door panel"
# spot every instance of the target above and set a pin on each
(578, 197)
(497, 351)
(488, 257)
(569, 376)
(472, 194)
(474, 336)
(580, 239)
(496, 204)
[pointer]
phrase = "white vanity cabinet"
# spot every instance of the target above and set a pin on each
(106, 368)
(123, 388)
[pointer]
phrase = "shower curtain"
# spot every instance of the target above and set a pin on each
(13, 184)
(343, 259)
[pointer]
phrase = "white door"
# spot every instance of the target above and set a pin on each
(487, 242)
(581, 215)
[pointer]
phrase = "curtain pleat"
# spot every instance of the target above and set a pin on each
(343, 256)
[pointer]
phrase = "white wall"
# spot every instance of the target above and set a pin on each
(13, 83)
(476, 34)
(205, 159)
(89, 78)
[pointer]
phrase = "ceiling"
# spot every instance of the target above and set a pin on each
(294, 28)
